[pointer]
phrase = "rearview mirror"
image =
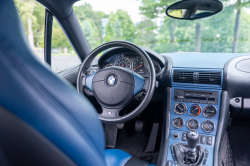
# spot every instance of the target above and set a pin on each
(194, 9)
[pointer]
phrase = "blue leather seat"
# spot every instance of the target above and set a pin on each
(43, 120)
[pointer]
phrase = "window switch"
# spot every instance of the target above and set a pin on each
(184, 137)
(209, 140)
(202, 139)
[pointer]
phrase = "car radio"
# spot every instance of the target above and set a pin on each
(194, 96)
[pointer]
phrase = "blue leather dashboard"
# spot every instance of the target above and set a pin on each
(201, 60)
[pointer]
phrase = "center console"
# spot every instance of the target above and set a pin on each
(194, 110)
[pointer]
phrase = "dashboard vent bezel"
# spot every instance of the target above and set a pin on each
(199, 77)
(181, 76)
(211, 78)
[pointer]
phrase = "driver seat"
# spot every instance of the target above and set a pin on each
(43, 120)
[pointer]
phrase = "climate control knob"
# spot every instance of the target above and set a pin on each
(209, 111)
(194, 110)
(180, 108)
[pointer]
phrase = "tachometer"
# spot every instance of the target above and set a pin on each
(123, 62)
(138, 65)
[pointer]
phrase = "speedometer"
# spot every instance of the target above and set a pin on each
(123, 62)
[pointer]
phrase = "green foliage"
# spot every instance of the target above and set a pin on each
(217, 32)
(91, 33)
(145, 33)
(152, 8)
(120, 27)
(85, 12)
(59, 39)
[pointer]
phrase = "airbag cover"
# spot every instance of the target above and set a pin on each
(113, 87)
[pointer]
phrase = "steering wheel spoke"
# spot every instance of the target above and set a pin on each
(146, 85)
(110, 113)
(82, 82)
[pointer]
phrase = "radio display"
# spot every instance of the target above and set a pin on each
(194, 96)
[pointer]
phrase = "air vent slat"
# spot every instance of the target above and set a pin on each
(213, 78)
(197, 77)
(183, 77)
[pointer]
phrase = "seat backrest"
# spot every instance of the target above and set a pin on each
(43, 120)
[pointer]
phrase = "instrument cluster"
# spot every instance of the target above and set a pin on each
(130, 61)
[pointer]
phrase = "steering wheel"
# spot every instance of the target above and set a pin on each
(115, 87)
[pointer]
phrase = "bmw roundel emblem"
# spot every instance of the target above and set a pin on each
(112, 80)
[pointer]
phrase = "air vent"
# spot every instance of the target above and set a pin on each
(197, 77)
(213, 78)
(183, 76)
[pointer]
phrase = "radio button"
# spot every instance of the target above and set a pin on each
(187, 100)
(211, 102)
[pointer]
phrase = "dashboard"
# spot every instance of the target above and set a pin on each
(130, 61)
(197, 89)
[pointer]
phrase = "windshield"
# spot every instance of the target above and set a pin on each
(144, 23)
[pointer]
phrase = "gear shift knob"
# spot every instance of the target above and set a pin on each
(192, 139)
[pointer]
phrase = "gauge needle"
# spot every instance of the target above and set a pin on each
(138, 67)
(122, 65)
(206, 127)
(190, 125)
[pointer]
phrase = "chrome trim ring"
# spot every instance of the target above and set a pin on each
(193, 119)
(203, 127)
(180, 126)
(206, 115)
(189, 108)
(177, 112)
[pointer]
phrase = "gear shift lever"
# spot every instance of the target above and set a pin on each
(190, 153)
(192, 140)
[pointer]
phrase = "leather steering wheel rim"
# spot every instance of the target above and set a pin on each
(148, 87)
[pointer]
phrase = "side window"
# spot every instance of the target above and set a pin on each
(63, 55)
(32, 15)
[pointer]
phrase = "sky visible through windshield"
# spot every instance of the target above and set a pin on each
(144, 23)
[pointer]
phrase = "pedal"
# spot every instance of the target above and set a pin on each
(152, 139)
(110, 135)
(139, 125)
(120, 125)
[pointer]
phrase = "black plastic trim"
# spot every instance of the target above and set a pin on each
(48, 36)
(70, 74)
(165, 75)
(236, 82)
(192, 18)
(65, 15)
(222, 126)
(162, 159)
